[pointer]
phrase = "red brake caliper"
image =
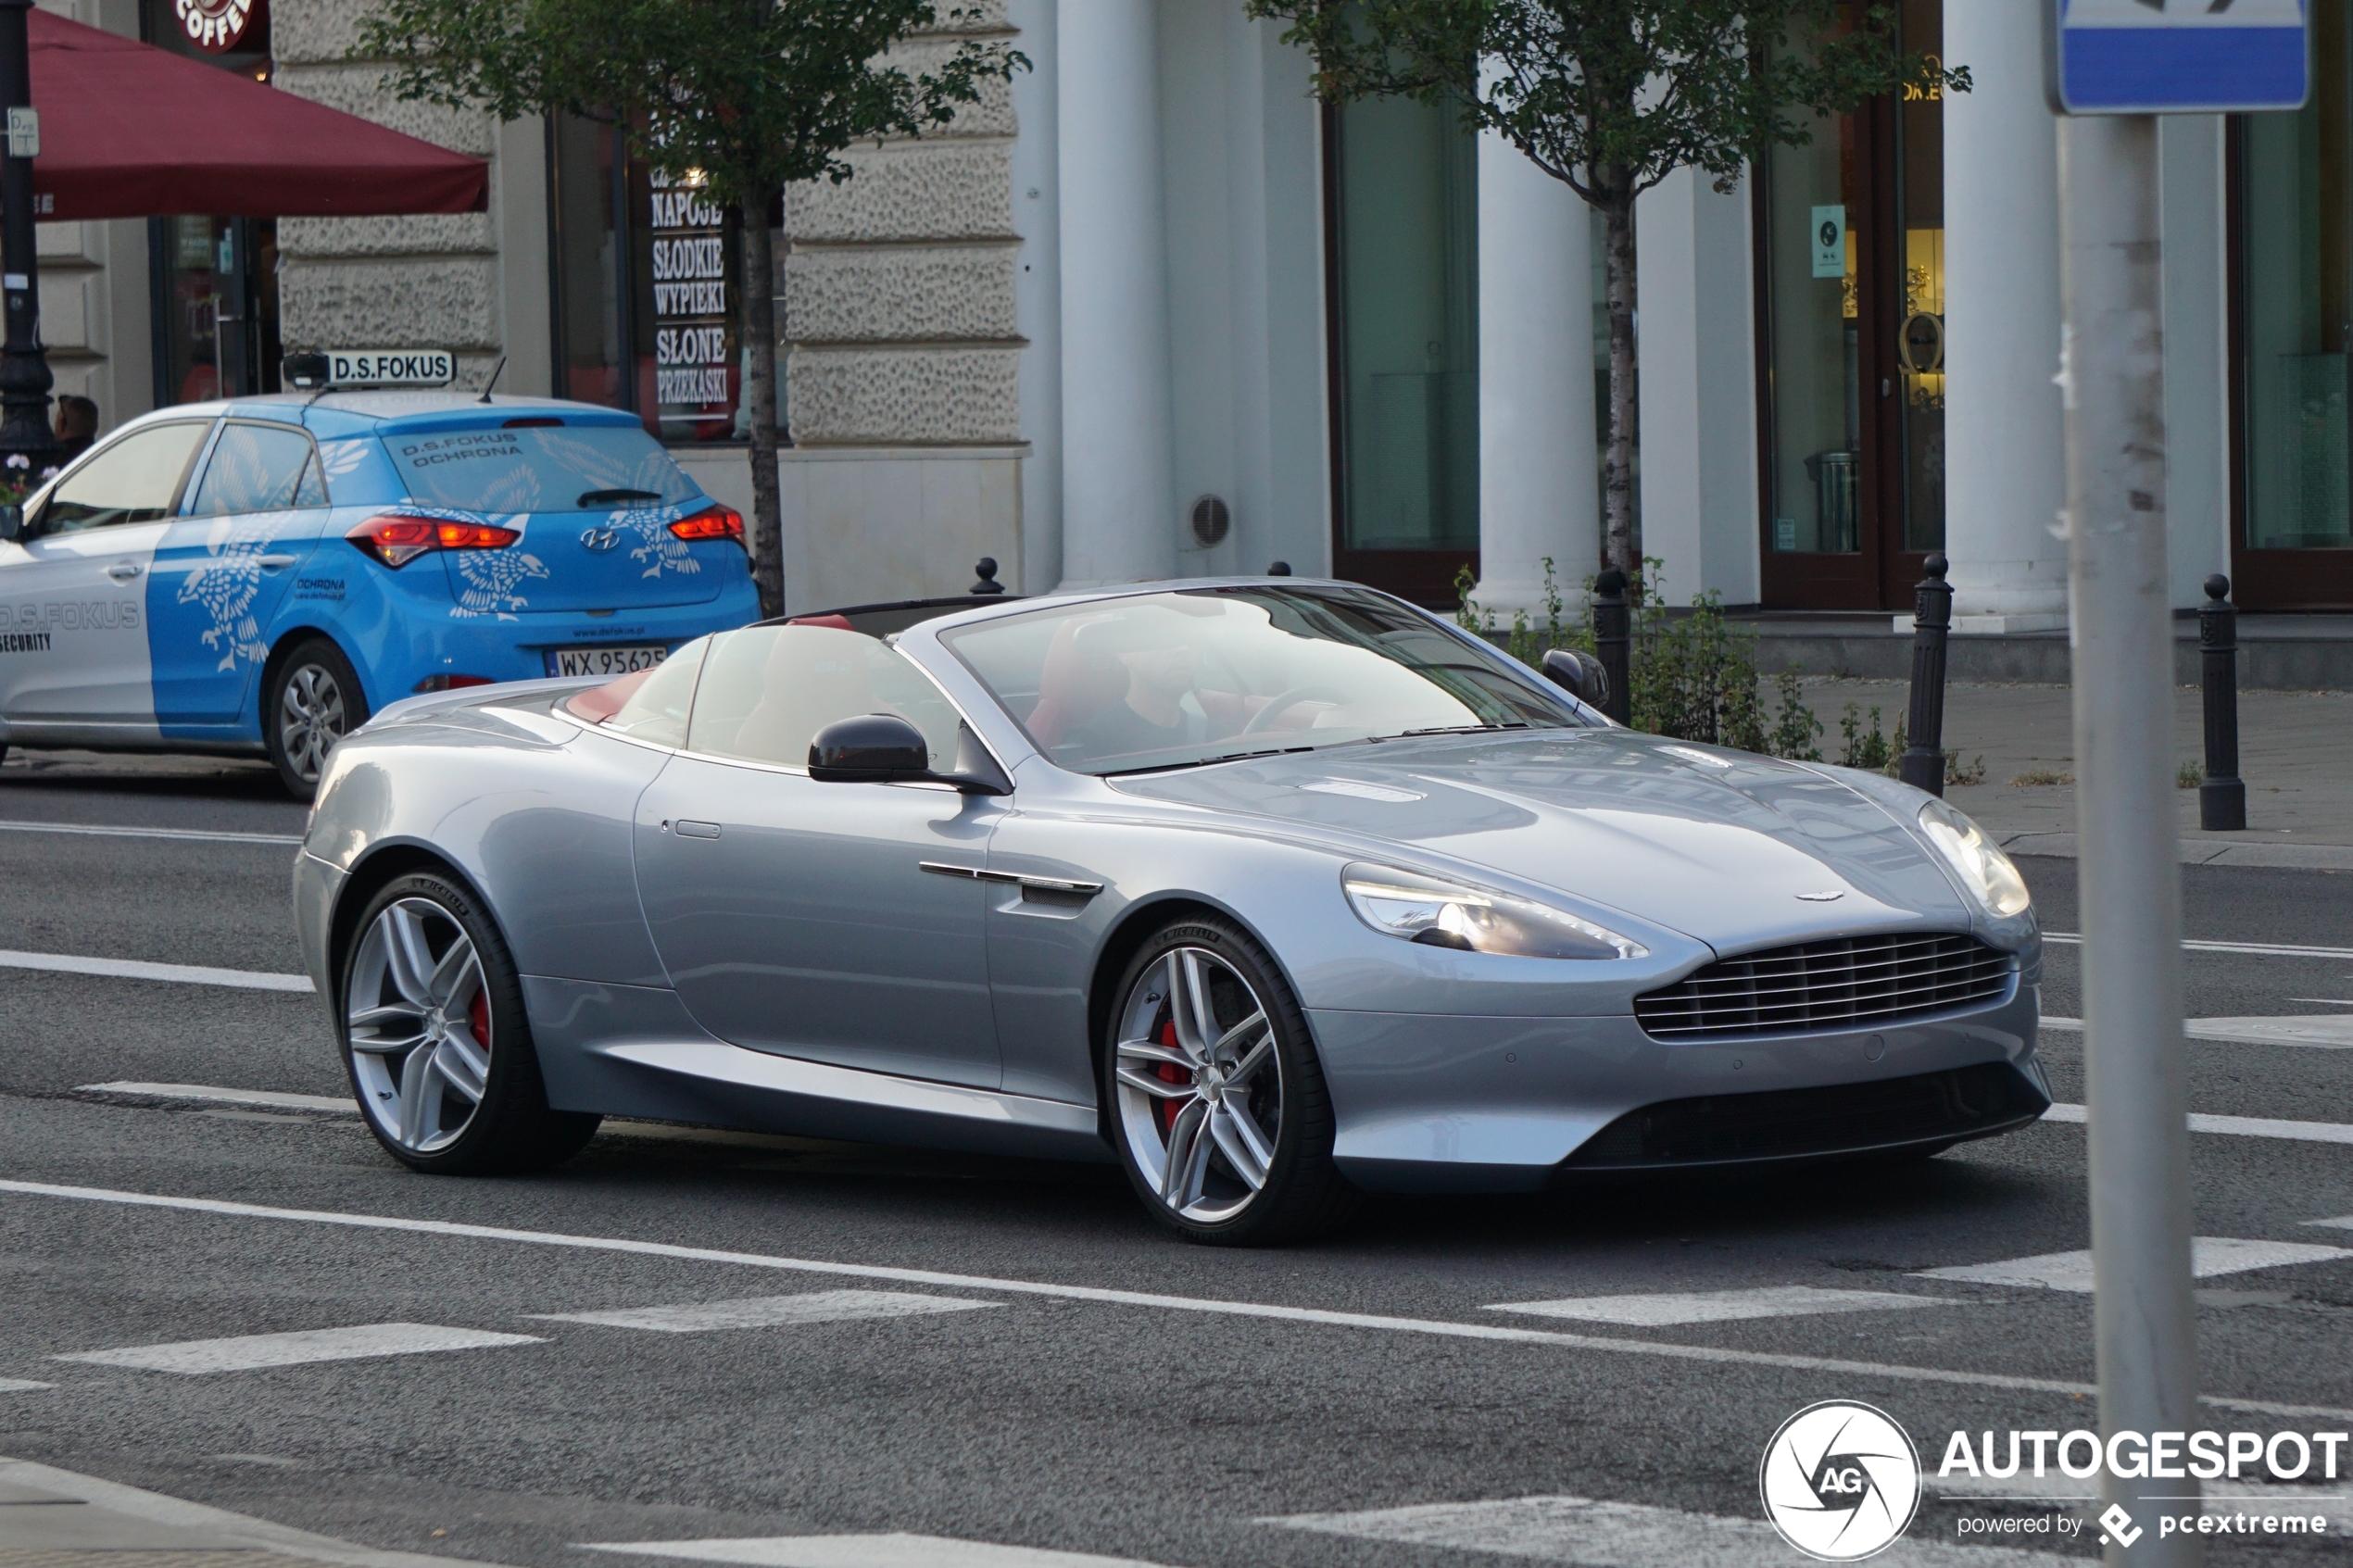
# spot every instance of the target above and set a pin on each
(1170, 1073)
(479, 1016)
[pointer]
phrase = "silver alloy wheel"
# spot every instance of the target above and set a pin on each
(311, 716)
(1199, 1085)
(418, 1025)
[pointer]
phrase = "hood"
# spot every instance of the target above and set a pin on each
(1717, 844)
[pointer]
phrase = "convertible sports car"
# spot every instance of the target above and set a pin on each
(1273, 891)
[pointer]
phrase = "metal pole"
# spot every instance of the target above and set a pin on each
(24, 370)
(2222, 799)
(2113, 384)
(1613, 640)
(1922, 765)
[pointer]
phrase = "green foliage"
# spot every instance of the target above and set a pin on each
(1870, 751)
(1795, 729)
(1611, 96)
(741, 97)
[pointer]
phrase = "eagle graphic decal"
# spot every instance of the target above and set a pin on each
(227, 584)
(658, 550)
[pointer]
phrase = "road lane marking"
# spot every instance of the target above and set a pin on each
(896, 1550)
(135, 968)
(2265, 949)
(332, 1104)
(246, 1352)
(768, 1312)
(2209, 1256)
(2325, 1031)
(196, 835)
(1718, 1306)
(2236, 1126)
(1623, 1535)
(1437, 1327)
(21, 1386)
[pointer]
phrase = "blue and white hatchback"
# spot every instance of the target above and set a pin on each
(257, 576)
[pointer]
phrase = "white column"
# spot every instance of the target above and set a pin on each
(2005, 463)
(1118, 502)
(1037, 295)
(1538, 492)
(2198, 367)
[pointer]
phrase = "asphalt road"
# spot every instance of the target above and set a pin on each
(1058, 1375)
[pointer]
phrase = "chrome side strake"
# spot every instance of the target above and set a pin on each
(1035, 883)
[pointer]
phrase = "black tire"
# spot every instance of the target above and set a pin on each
(1302, 1194)
(312, 700)
(509, 1127)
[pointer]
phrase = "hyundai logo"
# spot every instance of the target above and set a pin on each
(599, 539)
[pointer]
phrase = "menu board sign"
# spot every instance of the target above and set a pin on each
(696, 375)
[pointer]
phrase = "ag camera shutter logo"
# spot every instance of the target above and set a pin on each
(1841, 1481)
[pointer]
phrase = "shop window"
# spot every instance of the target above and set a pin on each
(1850, 238)
(1403, 237)
(2294, 320)
(649, 290)
(214, 281)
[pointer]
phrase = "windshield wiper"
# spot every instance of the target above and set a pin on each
(1205, 761)
(590, 497)
(1457, 730)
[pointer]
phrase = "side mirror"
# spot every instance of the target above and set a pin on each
(871, 748)
(1580, 675)
(11, 523)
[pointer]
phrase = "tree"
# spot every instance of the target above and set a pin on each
(737, 97)
(1610, 97)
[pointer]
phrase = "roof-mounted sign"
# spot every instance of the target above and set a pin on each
(215, 26)
(370, 367)
(2176, 56)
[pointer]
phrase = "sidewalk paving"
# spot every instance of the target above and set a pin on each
(2295, 754)
(52, 1518)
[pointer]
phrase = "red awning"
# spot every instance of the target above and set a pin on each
(130, 130)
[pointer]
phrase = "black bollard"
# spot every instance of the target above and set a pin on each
(1613, 623)
(987, 567)
(1923, 762)
(2222, 799)
(1279, 569)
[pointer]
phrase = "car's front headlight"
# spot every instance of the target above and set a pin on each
(1988, 874)
(1447, 914)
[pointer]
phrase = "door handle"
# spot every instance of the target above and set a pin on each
(278, 563)
(124, 571)
(687, 828)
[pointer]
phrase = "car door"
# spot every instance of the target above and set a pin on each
(76, 593)
(799, 917)
(224, 566)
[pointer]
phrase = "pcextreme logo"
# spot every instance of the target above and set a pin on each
(1841, 1481)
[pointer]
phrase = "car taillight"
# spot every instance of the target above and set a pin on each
(711, 522)
(396, 540)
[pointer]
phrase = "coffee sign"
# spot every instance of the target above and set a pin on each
(215, 26)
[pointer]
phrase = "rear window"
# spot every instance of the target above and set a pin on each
(538, 468)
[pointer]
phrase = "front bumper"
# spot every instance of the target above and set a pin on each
(316, 886)
(1430, 1103)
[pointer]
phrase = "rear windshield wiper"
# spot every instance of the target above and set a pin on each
(1205, 761)
(590, 497)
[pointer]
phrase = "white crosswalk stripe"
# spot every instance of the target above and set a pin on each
(2323, 1030)
(21, 1386)
(769, 1312)
(2209, 1256)
(196, 835)
(248, 1352)
(1625, 1535)
(2237, 1127)
(1717, 1306)
(865, 1551)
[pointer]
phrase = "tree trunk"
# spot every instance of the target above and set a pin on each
(1618, 460)
(759, 333)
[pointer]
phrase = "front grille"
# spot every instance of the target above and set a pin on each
(1850, 983)
(1928, 1108)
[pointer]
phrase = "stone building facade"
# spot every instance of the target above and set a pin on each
(1150, 310)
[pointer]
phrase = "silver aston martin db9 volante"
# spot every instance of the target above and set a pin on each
(1272, 891)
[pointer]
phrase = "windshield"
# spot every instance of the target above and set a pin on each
(1200, 675)
(538, 468)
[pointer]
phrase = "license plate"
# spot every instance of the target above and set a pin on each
(603, 661)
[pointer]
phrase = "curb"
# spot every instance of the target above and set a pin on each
(2203, 852)
(58, 1511)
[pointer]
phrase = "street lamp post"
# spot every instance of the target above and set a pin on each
(24, 367)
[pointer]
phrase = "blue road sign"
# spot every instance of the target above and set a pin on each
(2176, 57)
